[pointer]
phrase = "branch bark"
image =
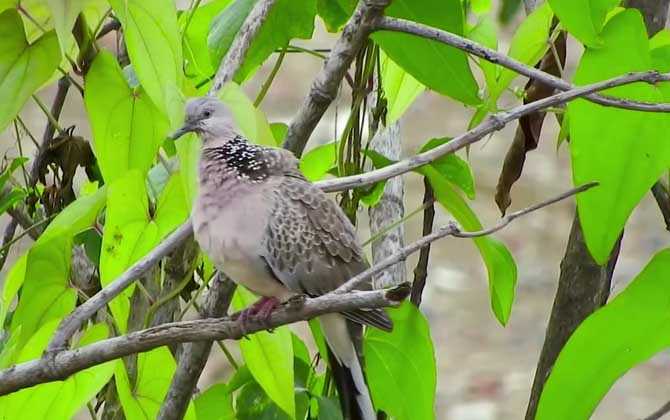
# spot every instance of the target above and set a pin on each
(421, 269)
(327, 82)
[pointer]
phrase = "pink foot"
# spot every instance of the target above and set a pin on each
(259, 311)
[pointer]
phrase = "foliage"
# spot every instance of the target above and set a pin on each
(134, 95)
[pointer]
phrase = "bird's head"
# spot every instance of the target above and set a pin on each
(209, 118)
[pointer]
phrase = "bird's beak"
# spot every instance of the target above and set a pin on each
(186, 128)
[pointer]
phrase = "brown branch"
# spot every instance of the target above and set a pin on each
(238, 49)
(665, 409)
(662, 198)
(421, 269)
(68, 362)
(401, 25)
(327, 82)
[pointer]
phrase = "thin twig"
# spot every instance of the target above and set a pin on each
(401, 25)
(421, 269)
(662, 198)
(493, 123)
(665, 409)
(451, 229)
(271, 78)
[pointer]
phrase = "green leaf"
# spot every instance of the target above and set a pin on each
(400, 89)
(627, 331)
(452, 167)
(16, 164)
(127, 127)
(64, 15)
(59, 399)
(143, 399)
(188, 151)
(172, 208)
(251, 120)
(24, 67)
(632, 156)
(152, 37)
(484, 32)
(287, 19)
(420, 57)
(529, 44)
(480, 6)
(584, 19)
(335, 13)
(279, 132)
(11, 198)
(45, 293)
(76, 217)
(252, 403)
(400, 365)
(329, 409)
(269, 357)
(316, 163)
(499, 262)
(196, 54)
(216, 403)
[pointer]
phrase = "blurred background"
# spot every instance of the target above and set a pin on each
(485, 370)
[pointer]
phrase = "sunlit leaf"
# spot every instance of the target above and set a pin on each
(216, 403)
(400, 366)
(287, 19)
(335, 13)
(633, 155)
(452, 167)
(400, 89)
(251, 120)
(24, 67)
(584, 18)
(499, 262)
(151, 35)
(127, 127)
(269, 357)
(420, 57)
(316, 163)
(142, 400)
(627, 331)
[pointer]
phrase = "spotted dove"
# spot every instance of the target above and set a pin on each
(271, 230)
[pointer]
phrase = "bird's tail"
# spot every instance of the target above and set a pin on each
(344, 339)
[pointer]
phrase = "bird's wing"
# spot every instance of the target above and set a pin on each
(311, 246)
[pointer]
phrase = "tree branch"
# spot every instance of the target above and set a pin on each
(401, 25)
(238, 49)
(68, 362)
(493, 123)
(327, 82)
(421, 269)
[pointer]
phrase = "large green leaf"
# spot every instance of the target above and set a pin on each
(335, 13)
(216, 403)
(269, 357)
(151, 35)
(499, 262)
(76, 217)
(127, 127)
(196, 54)
(24, 67)
(401, 367)
(584, 18)
(59, 399)
(627, 331)
(287, 19)
(64, 15)
(529, 44)
(251, 120)
(142, 400)
(45, 293)
(421, 57)
(452, 167)
(400, 89)
(316, 163)
(623, 150)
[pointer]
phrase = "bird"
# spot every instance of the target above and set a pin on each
(268, 228)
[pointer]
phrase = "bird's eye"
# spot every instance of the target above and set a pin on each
(207, 114)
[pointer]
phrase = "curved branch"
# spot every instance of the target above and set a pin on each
(401, 25)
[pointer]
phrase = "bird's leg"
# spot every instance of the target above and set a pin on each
(260, 310)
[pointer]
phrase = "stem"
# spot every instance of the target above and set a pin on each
(271, 77)
(52, 120)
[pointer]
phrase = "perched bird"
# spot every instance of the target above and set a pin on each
(271, 230)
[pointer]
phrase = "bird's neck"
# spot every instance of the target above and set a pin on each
(233, 161)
